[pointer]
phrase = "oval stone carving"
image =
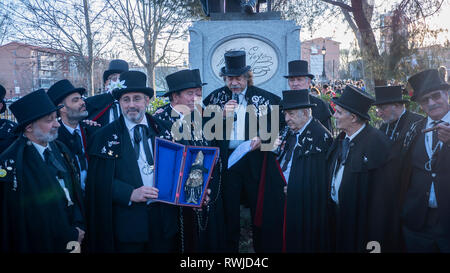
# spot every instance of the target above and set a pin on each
(260, 56)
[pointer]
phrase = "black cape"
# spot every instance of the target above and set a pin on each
(306, 215)
(35, 216)
(107, 157)
(7, 136)
(205, 229)
(366, 195)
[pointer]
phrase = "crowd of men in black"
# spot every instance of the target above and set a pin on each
(75, 170)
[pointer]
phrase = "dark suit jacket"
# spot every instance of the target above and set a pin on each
(416, 188)
(112, 176)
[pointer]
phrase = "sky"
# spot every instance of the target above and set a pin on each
(339, 31)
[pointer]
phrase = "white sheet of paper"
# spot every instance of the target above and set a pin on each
(239, 152)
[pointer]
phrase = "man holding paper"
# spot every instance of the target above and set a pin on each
(244, 109)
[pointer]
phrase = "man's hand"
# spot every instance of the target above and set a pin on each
(276, 144)
(80, 235)
(92, 123)
(444, 132)
(229, 107)
(255, 144)
(144, 193)
(206, 201)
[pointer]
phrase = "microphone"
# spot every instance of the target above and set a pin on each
(284, 136)
(236, 98)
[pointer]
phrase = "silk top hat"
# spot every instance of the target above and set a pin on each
(355, 101)
(388, 94)
(426, 82)
(115, 66)
(296, 99)
(298, 68)
(31, 107)
(61, 89)
(132, 81)
(2, 97)
(235, 64)
(182, 80)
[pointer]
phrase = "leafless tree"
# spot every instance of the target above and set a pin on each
(151, 28)
(5, 20)
(79, 28)
(361, 17)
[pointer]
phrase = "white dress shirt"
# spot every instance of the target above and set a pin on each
(338, 178)
(432, 202)
(147, 179)
(238, 129)
(287, 172)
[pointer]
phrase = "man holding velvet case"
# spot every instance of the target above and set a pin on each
(122, 217)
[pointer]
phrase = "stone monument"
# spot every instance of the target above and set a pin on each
(270, 43)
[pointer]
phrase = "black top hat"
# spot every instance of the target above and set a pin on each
(296, 99)
(182, 80)
(2, 97)
(298, 68)
(355, 100)
(388, 94)
(32, 107)
(426, 82)
(61, 89)
(132, 81)
(235, 64)
(115, 66)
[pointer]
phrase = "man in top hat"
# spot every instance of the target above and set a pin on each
(103, 108)
(122, 216)
(234, 98)
(425, 191)
(391, 108)
(6, 126)
(41, 207)
(299, 78)
(303, 165)
(185, 96)
(360, 193)
(72, 132)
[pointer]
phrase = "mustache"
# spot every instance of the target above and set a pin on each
(433, 107)
(235, 86)
(132, 109)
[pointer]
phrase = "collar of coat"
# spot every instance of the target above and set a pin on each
(371, 148)
(411, 134)
(108, 142)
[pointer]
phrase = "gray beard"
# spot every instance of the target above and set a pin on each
(137, 119)
(41, 136)
(76, 115)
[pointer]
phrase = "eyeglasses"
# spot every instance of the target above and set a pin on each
(127, 99)
(434, 96)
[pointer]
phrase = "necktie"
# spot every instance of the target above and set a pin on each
(290, 145)
(52, 163)
(435, 134)
(79, 150)
(138, 137)
(344, 150)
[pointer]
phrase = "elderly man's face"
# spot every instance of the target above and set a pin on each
(387, 112)
(236, 84)
(74, 107)
(294, 118)
(343, 118)
(188, 97)
(133, 106)
(299, 83)
(44, 129)
(435, 104)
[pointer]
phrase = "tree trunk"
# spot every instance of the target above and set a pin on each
(90, 62)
